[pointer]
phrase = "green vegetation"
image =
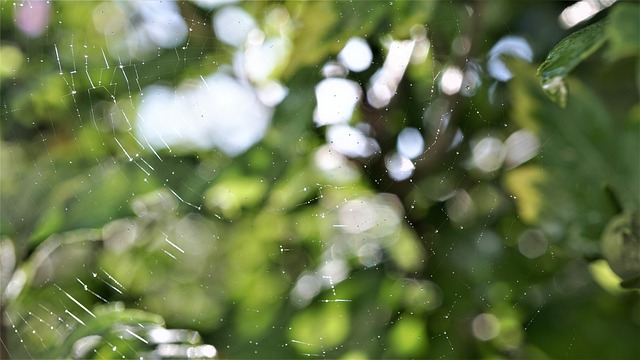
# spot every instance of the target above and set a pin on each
(301, 234)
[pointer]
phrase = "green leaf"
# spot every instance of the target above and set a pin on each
(409, 336)
(621, 248)
(235, 193)
(623, 31)
(323, 32)
(320, 327)
(82, 202)
(583, 150)
(109, 322)
(565, 56)
(325, 26)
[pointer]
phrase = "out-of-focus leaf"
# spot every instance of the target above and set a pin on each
(320, 21)
(623, 31)
(406, 251)
(624, 34)
(298, 187)
(235, 193)
(604, 276)
(511, 333)
(12, 59)
(107, 321)
(325, 26)
(7, 262)
(44, 252)
(320, 327)
(565, 56)
(408, 337)
(523, 183)
(621, 248)
(89, 200)
(407, 14)
(582, 151)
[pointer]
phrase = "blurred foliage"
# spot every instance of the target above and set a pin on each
(274, 254)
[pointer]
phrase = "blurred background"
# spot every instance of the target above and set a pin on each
(321, 179)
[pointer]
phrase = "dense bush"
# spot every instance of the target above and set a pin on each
(332, 179)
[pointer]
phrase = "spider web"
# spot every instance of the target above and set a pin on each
(196, 160)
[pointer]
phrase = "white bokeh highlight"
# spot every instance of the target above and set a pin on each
(489, 154)
(533, 243)
(385, 81)
(351, 141)
(232, 25)
(410, 143)
(451, 80)
(337, 99)
(514, 46)
(399, 167)
(217, 112)
(485, 327)
(522, 146)
(356, 55)
(211, 4)
(581, 11)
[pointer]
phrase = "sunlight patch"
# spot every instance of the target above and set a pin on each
(337, 99)
(232, 25)
(351, 141)
(218, 112)
(515, 46)
(356, 55)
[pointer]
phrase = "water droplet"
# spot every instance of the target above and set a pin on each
(556, 89)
